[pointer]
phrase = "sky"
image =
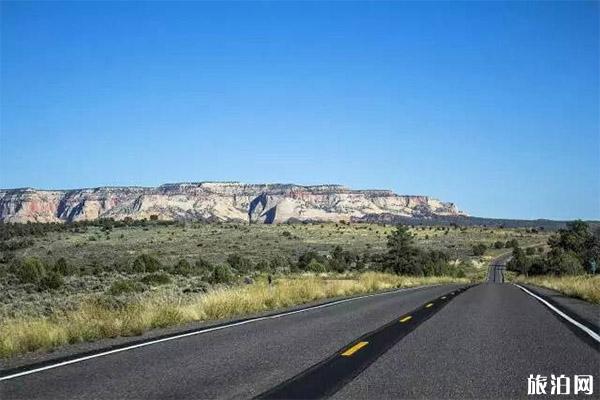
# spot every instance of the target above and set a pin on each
(491, 105)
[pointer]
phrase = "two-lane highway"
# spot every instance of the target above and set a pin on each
(482, 342)
(237, 362)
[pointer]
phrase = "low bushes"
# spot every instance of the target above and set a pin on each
(157, 278)
(30, 270)
(42, 276)
(125, 286)
(145, 263)
(199, 268)
(479, 249)
(221, 274)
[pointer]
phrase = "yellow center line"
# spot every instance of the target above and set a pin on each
(428, 305)
(406, 318)
(354, 349)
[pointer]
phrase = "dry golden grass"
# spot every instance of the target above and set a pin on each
(586, 287)
(93, 321)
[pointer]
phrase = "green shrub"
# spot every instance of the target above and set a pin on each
(280, 263)
(479, 249)
(156, 278)
(146, 263)
(519, 261)
(307, 257)
(52, 281)
(30, 270)
(238, 262)
(435, 263)
(316, 266)
(202, 266)
(564, 263)
(183, 267)
(221, 274)
(125, 286)
(62, 267)
(342, 260)
(498, 245)
(263, 266)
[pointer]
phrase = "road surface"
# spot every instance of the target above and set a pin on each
(496, 273)
(459, 342)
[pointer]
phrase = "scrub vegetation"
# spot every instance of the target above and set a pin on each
(85, 281)
(570, 266)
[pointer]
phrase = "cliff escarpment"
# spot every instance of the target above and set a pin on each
(227, 201)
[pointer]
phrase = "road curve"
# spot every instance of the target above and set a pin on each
(481, 343)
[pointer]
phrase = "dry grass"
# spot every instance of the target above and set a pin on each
(586, 287)
(93, 321)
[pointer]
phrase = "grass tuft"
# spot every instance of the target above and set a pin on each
(585, 287)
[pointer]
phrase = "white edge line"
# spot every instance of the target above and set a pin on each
(584, 328)
(198, 332)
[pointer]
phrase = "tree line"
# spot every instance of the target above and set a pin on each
(573, 251)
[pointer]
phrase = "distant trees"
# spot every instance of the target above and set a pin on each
(10, 230)
(342, 260)
(574, 250)
(519, 261)
(403, 257)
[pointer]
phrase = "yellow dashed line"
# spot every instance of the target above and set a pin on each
(406, 319)
(428, 305)
(354, 349)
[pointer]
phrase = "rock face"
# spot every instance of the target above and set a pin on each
(227, 201)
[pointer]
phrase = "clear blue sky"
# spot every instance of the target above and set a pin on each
(491, 105)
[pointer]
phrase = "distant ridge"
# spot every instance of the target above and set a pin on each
(216, 201)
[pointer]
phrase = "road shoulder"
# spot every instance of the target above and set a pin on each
(586, 313)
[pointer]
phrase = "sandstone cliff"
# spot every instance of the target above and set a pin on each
(228, 201)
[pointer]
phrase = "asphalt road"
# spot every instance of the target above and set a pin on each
(496, 273)
(482, 342)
